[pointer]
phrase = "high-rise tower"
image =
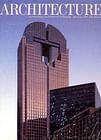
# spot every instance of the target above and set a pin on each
(42, 65)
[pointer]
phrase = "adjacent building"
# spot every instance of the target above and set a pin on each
(84, 126)
(42, 65)
(68, 101)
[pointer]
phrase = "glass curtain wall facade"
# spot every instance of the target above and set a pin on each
(69, 101)
(84, 126)
(42, 65)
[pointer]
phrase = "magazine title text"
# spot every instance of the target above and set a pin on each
(50, 9)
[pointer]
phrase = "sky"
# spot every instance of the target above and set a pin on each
(83, 37)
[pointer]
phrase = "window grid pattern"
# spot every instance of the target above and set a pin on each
(33, 91)
(69, 101)
(83, 127)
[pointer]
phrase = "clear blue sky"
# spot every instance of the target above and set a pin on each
(83, 40)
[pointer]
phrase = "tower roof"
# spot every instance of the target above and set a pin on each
(45, 32)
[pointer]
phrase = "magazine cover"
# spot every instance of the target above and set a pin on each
(50, 69)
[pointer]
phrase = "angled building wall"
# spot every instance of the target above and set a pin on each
(84, 126)
(68, 101)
